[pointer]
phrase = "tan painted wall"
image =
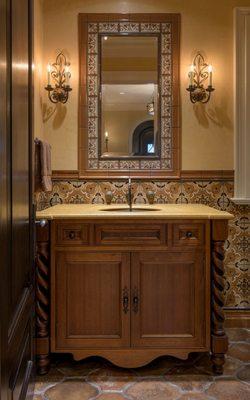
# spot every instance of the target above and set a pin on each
(207, 25)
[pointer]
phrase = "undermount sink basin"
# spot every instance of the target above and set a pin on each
(134, 209)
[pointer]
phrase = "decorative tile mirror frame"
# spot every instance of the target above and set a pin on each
(91, 27)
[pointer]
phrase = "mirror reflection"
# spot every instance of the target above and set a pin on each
(129, 96)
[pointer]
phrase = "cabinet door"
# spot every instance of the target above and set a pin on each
(90, 307)
(170, 300)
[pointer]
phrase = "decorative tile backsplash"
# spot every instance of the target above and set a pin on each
(165, 33)
(213, 193)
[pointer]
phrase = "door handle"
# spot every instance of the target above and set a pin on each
(41, 222)
(135, 300)
(125, 300)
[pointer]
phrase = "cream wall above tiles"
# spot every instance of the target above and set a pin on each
(207, 131)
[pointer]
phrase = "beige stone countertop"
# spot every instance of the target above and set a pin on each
(140, 211)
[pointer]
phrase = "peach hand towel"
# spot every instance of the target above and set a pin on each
(44, 155)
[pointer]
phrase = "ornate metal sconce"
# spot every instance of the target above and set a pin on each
(199, 73)
(59, 72)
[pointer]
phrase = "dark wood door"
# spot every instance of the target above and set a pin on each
(17, 299)
(90, 307)
(169, 297)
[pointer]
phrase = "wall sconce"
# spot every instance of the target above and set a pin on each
(199, 73)
(59, 73)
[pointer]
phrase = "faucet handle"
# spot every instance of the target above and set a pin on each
(109, 196)
(150, 196)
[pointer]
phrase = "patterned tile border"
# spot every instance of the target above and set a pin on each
(213, 193)
(164, 31)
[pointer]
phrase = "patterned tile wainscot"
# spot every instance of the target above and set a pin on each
(213, 193)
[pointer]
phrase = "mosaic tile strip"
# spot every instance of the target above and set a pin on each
(150, 27)
(165, 92)
(130, 27)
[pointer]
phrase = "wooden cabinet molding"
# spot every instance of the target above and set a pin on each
(130, 302)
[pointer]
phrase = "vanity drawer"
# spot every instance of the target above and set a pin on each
(72, 233)
(127, 234)
(189, 234)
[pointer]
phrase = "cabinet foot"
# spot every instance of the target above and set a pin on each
(43, 364)
(218, 361)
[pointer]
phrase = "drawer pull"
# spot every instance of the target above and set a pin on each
(135, 301)
(125, 300)
(189, 234)
(72, 235)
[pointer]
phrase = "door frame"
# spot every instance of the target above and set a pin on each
(8, 320)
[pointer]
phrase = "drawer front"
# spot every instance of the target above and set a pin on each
(127, 234)
(72, 233)
(189, 234)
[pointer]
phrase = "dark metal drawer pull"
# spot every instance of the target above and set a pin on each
(72, 235)
(189, 234)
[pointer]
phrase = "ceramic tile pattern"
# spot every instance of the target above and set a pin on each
(166, 378)
(213, 193)
(165, 92)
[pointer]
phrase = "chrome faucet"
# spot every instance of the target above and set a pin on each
(129, 195)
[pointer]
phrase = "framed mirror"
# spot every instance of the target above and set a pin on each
(129, 95)
(129, 98)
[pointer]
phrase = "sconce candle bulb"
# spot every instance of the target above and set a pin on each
(48, 71)
(191, 74)
(67, 75)
(199, 73)
(59, 72)
(210, 70)
(107, 141)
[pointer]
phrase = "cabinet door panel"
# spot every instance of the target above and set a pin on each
(169, 299)
(89, 299)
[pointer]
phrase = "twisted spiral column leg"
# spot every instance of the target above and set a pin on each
(42, 300)
(219, 341)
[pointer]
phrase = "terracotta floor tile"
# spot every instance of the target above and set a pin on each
(244, 373)
(238, 335)
(71, 390)
(153, 390)
(190, 382)
(229, 390)
(194, 396)
(166, 378)
(231, 365)
(111, 396)
(111, 377)
(241, 351)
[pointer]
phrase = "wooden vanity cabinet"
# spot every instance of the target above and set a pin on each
(134, 293)
(116, 300)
